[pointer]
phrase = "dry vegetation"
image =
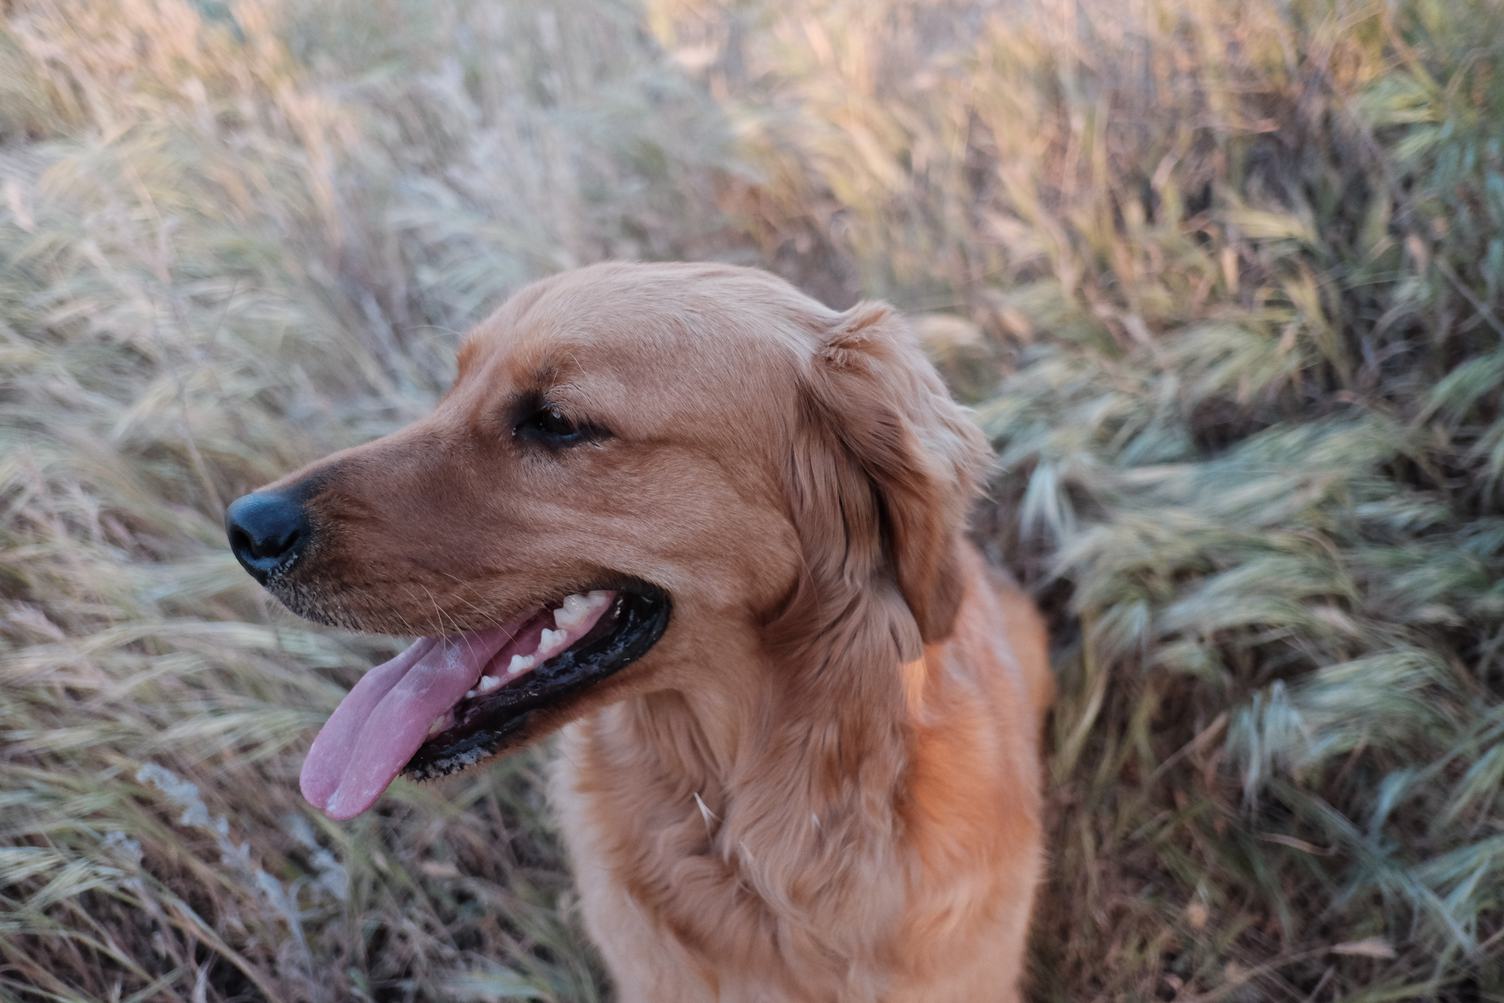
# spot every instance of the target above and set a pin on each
(1225, 281)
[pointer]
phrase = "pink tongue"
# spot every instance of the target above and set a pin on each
(375, 730)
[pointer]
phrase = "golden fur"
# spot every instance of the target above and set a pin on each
(823, 782)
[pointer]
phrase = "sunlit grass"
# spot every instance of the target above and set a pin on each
(1224, 281)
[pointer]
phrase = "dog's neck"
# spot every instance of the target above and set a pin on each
(763, 721)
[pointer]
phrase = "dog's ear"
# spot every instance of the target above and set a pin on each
(885, 467)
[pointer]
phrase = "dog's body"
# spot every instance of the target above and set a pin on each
(817, 777)
(725, 849)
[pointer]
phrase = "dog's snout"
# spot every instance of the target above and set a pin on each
(267, 531)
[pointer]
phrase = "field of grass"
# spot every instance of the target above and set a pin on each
(1224, 280)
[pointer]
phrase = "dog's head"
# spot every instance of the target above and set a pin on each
(637, 468)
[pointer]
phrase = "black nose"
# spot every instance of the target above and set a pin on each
(267, 531)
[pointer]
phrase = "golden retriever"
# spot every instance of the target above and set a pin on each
(715, 531)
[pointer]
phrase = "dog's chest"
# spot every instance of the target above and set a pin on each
(707, 881)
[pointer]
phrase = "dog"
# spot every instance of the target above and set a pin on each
(714, 533)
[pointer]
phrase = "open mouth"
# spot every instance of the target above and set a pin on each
(449, 702)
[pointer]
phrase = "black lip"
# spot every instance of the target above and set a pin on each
(638, 619)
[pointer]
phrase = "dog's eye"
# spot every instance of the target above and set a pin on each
(552, 427)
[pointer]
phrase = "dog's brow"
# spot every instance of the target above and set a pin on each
(551, 376)
(543, 382)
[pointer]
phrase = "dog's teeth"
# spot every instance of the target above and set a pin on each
(472, 694)
(439, 723)
(551, 641)
(488, 683)
(520, 663)
(572, 611)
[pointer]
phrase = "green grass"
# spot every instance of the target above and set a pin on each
(1224, 281)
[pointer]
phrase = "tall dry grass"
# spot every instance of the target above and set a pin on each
(1224, 282)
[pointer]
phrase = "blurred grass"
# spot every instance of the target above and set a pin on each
(1223, 281)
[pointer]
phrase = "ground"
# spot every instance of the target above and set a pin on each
(1222, 280)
